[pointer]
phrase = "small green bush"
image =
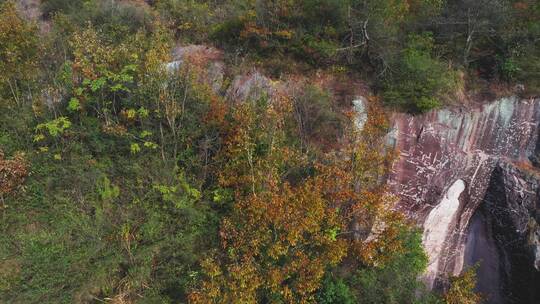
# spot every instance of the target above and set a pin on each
(397, 280)
(335, 291)
(418, 80)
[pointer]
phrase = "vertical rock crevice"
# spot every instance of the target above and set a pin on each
(499, 237)
(481, 250)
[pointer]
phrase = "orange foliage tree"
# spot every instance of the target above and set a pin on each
(277, 245)
(286, 230)
(12, 174)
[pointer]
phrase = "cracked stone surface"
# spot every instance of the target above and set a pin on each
(449, 146)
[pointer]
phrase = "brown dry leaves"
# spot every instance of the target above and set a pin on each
(13, 172)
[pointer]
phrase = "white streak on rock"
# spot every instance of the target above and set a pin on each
(437, 225)
(361, 112)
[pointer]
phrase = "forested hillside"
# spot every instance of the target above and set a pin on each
(415, 53)
(124, 180)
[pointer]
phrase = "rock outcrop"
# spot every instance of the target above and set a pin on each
(455, 164)
(208, 58)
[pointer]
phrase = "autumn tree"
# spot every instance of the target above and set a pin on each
(18, 51)
(277, 245)
(355, 181)
(281, 234)
(12, 174)
(285, 229)
(462, 287)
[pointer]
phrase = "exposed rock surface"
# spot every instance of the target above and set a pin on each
(251, 86)
(474, 150)
(211, 60)
(437, 225)
(31, 10)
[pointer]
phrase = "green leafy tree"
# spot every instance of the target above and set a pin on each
(521, 61)
(420, 80)
(397, 280)
(335, 291)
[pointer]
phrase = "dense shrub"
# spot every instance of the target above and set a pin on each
(192, 19)
(51, 7)
(397, 281)
(317, 117)
(419, 81)
(335, 291)
(117, 18)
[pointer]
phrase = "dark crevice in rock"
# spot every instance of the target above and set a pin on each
(481, 249)
(499, 238)
(535, 157)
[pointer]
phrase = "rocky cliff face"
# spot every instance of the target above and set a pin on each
(465, 177)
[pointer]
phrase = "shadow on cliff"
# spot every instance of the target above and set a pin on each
(499, 239)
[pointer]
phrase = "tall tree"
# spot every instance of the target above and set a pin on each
(469, 24)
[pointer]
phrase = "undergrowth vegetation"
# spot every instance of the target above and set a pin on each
(488, 41)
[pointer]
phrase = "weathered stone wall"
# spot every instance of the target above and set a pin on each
(442, 147)
(510, 209)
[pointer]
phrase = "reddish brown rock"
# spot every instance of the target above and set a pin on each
(442, 150)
